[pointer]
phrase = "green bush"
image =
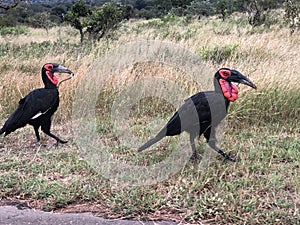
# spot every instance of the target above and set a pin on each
(218, 54)
(170, 17)
(13, 31)
(104, 20)
(292, 14)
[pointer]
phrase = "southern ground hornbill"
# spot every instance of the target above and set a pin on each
(202, 112)
(38, 106)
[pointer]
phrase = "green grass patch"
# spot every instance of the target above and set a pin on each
(13, 31)
(218, 54)
(263, 182)
(276, 104)
(39, 50)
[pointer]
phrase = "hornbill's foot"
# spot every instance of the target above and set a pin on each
(41, 145)
(59, 141)
(62, 141)
(228, 157)
(195, 157)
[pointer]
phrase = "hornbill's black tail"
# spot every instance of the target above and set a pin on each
(152, 141)
(2, 131)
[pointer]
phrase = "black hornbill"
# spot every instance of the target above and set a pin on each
(202, 112)
(38, 106)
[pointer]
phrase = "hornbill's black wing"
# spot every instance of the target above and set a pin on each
(194, 116)
(195, 113)
(30, 107)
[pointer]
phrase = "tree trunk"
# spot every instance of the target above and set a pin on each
(81, 35)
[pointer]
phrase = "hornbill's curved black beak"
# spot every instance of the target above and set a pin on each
(237, 77)
(60, 69)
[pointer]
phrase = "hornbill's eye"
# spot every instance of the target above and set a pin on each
(48, 67)
(225, 73)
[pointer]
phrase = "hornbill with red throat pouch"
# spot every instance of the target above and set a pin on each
(38, 106)
(203, 112)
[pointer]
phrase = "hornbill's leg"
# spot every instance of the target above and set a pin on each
(210, 136)
(193, 135)
(55, 137)
(46, 129)
(192, 142)
(36, 131)
(37, 134)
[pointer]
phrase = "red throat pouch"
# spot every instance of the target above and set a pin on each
(229, 90)
(52, 77)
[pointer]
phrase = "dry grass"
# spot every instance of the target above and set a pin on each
(39, 35)
(268, 58)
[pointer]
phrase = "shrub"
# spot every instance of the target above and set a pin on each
(219, 54)
(292, 14)
(13, 31)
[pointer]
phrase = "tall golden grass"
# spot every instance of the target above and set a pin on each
(270, 57)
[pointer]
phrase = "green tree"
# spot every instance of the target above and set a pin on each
(140, 4)
(221, 7)
(9, 4)
(14, 16)
(258, 10)
(59, 12)
(40, 20)
(105, 19)
(76, 16)
(175, 6)
(201, 8)
(292, 14)
(164, 5)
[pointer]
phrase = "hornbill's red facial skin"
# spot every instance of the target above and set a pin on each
(225, 76)
(202, 112)
(38, 106)
(48, 70)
